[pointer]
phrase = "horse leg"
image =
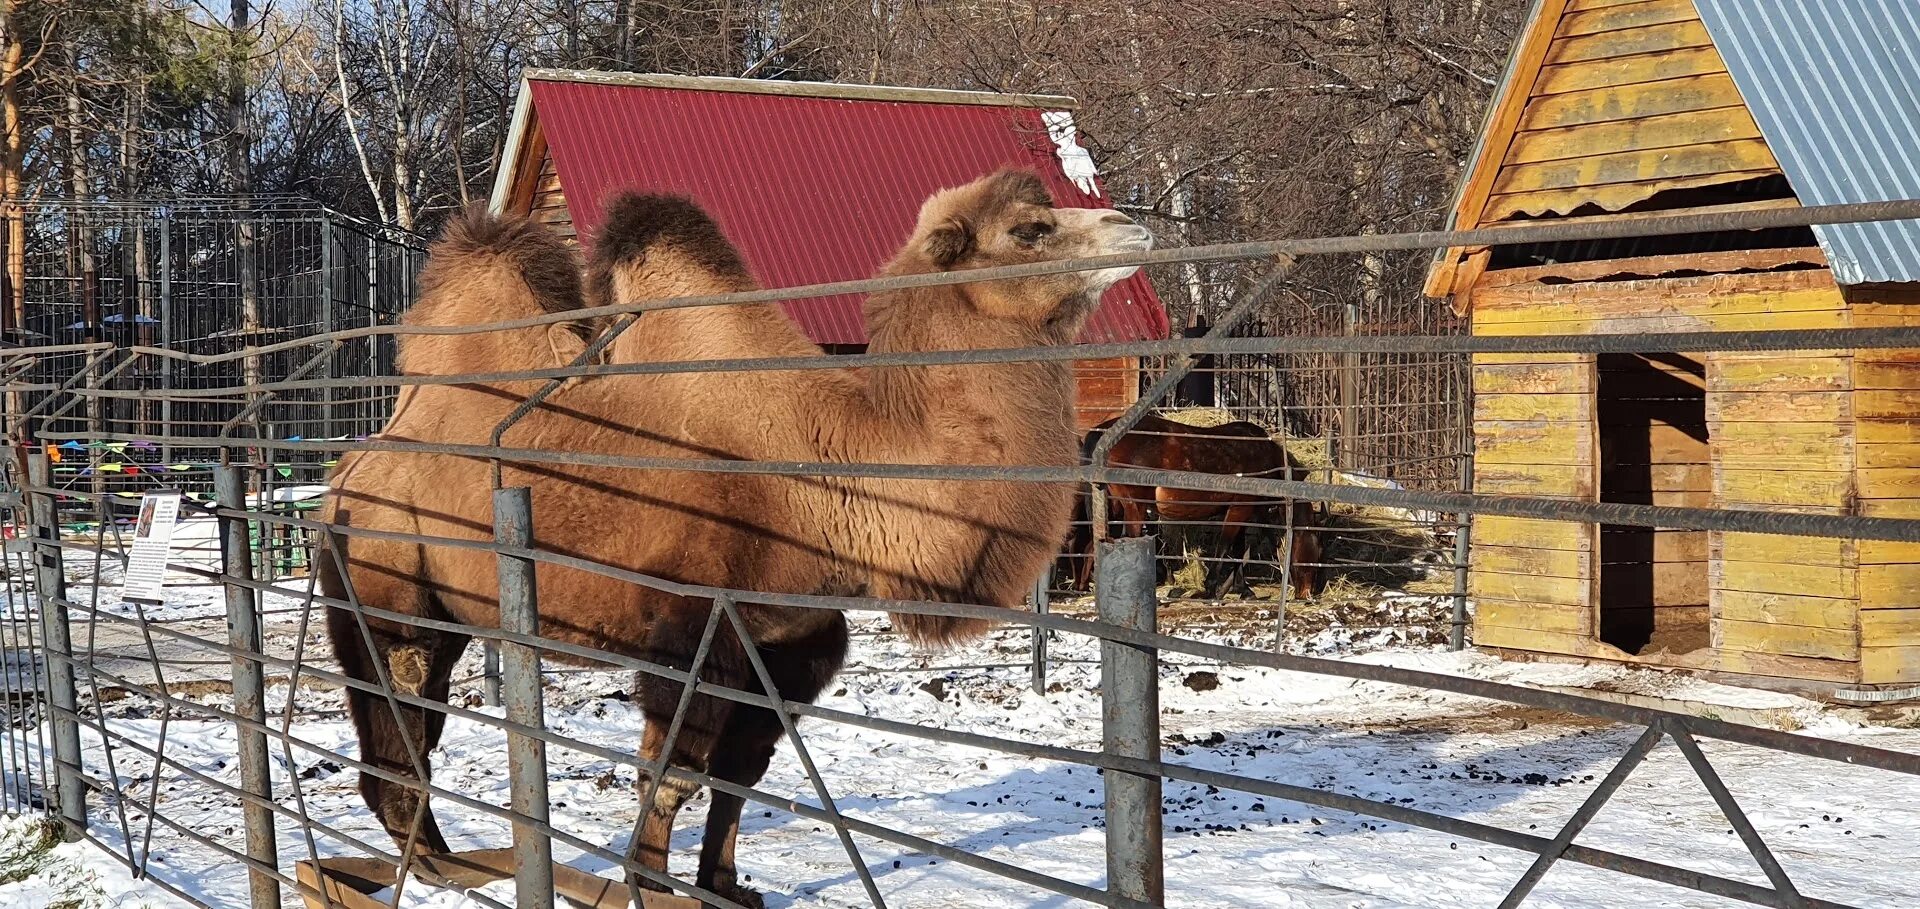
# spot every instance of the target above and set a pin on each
(1133, 502)
(1235, 543)
(1080, 545)
(392, 734)
(1305, 558)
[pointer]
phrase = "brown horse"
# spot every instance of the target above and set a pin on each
(1231, 449)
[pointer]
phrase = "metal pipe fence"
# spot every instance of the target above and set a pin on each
(115, 770)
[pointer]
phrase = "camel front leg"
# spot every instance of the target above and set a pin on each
(395, 737)
(656, 828)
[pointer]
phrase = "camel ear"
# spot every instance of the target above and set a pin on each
(949, 243)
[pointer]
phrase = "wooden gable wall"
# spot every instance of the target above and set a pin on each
(1628, 100)
(1607, 104)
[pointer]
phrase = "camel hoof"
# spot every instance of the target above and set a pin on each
(744, 896)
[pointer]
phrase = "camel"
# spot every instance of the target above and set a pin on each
(965, 542)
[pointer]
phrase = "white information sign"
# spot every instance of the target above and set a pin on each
(152, 543)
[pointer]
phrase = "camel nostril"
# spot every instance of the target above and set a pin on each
(1114, 217)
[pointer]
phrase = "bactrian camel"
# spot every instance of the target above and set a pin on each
(963, 542)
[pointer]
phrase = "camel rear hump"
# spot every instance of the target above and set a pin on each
(657, 246)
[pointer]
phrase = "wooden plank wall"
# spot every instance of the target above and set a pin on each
(1532, 581)
(550, 201)
(1105, 388)
(1630, 99)
(1780, 435)
(1886, 400)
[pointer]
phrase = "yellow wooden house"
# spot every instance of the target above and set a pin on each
(1614, 110)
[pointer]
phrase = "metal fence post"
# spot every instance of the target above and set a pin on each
(1130, 719)
(1462, 543)
(1040, 635)
(50, 581)
(166, 364)
(249, 683)
(490, 673)
(520, 675)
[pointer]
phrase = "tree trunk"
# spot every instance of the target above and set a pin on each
(240, 171)
(13, 291)
(79, 232)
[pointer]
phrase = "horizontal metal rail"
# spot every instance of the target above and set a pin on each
(625, 758)
(65, 397)
(1896, 761)
(1387, 811)
(1866, 338)
(1666, 516)
(1666, 225)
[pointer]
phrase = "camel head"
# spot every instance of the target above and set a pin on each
(1008, 218)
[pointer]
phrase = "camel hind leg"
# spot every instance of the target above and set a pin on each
(672, 641)
(745, 748)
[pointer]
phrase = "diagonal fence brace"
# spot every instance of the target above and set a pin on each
(1776, 875)
(1583, 815)
(779, 706)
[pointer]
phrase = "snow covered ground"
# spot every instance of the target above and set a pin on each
(1843, 833)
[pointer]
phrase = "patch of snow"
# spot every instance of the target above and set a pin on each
(1843, 833)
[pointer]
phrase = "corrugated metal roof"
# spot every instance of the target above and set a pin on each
(810, 189)
(1835, 87)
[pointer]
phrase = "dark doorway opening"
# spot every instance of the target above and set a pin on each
(1652, 418)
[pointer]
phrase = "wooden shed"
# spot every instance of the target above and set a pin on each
(814, 182)
(1613, 110)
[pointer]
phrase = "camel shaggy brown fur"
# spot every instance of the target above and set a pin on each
(967, 542)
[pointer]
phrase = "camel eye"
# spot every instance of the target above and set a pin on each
(1031, 232)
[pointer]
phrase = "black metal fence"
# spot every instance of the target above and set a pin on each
(101, 766)
(208, 277)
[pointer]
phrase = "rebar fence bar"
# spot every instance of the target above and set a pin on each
(121, 772)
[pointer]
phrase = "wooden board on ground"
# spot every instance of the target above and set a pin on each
(351, 882)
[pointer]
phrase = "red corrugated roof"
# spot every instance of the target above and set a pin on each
(810, 189)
